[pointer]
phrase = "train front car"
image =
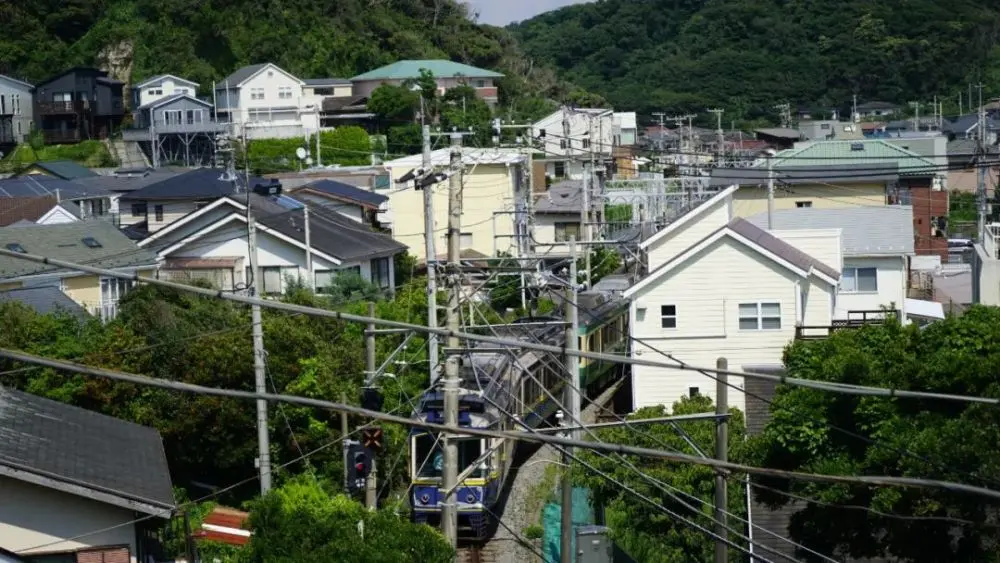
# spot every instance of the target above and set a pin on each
(480, 474)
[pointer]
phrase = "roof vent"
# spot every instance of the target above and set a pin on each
(857, 146)
(91, 242)
(15, 247)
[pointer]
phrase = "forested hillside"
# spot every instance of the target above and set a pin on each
(746, 55)
(205, 40)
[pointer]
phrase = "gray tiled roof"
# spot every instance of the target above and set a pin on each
(199, 184)
(780, 248)
(41, 185)
(866, 231)
(234, 79)
(347, 192)
(71, 208)
(44, 300)
(74, 447)
(65, 169)
(564, 197)
(127, 183)
(65, 242)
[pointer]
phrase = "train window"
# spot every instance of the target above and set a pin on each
(429, 457)
(468, 452)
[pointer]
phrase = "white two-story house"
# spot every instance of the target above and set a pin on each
(162, 86)
(267, 102)
(568, 136)
(721, 287)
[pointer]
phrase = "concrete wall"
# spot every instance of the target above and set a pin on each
(708, 319)
(31, 516)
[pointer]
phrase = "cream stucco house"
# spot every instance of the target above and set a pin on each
(494, 202)
(93, 242)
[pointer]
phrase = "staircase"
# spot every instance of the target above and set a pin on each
(128, 154)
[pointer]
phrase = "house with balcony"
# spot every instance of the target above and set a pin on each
(78, 104)
(178, 128)
(569, 136)
(79, 486)
(494, 206)
(16, 111)
(265, 101)
(296, 242)
(161, 86)
(94, 242)
(447, 75)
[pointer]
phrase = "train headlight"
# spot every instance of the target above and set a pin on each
(425, 498)
(470, 498)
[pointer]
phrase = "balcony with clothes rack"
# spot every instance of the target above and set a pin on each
(854, 320)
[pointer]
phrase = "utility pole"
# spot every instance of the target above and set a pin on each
(981, 168)
(854, 109)
(259, 368)
(431, 257)
(319, 159)
(721, 454)
(310, 277)
(662, 116)
(720, 139)
(371, 482)
(449, 513)
(345, 442)
(571, 399)
(770, 191)
(916, 115)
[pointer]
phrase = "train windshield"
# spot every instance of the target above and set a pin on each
(429, 457)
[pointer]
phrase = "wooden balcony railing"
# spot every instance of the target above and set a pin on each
(854, 320)
(57, 108)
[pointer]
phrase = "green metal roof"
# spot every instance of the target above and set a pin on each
(65, 242)
(851, 152)
(403, 70)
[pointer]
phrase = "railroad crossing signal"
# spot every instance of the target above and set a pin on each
(371, 438)
(359, 465)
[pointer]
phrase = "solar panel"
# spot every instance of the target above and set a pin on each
(15, 247)
(287, 202)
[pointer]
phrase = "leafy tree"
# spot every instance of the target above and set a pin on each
(349, 146)
(603, 261)
(405, 139)
(943, 440)
(301, 522)
(394, 104)
(462, 109)
(646, 533)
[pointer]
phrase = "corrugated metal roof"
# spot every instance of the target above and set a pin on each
(470, 157)
(851, 152)
(402, 70)
(866, 230)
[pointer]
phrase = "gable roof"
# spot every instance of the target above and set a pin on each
(755, 238)
(127, 183)
(865, 230)
(65, 242)
(62, 208)
(198, 184)
(16, 82)
(689, 216)
(173, 98)
(82, 69)
(408, 69)
(346, 192)
(81, 452)
(851, 152)
(161, 77)
(36, 185)
(65, 169)
(241, 75)
(44, 300)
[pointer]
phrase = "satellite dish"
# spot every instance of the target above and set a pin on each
(301, 153)
(309, 161)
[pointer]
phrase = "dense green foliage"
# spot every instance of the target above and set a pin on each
(348, 146)
(301, 522)
(643, 531)
(89, 153)
(748, 55)
(944, 440)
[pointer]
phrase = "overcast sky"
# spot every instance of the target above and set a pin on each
(503, 12)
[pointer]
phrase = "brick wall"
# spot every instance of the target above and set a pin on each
(927, 204)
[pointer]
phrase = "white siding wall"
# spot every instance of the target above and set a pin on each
(580, 124)
(57, 216)
(707, 291)
(892, 279)
(31, 516)
(572, 170)
(172, 211)
(545, 233)
(167, 87)
(822, 244)
(711, 219)
(271, 80)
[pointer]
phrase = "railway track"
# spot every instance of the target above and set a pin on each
(480, 553)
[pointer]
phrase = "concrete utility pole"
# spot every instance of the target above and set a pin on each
(770, 190)
(586, 215)
(344, 440)
(572, 400)
(916, 115)
(449, 512)
(431, 257)
(663, 125)
(721, 454)
(259, 367)
(854, 109)
(371, 483)
(981, 205)
(310, 276)
(720, 139)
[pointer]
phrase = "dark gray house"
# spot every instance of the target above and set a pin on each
(177, 128)
(79, 104)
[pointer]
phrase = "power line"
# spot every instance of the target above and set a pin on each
(873, 480)
(615, 358)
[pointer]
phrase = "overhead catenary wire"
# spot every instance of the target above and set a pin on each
(868, 480)
(836, 387)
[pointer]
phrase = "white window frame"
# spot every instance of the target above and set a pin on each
(112, 291)
(759, 318)
(560, 233)
(803, 204)
(851, 273)
(257, 94)
(668, 316)
(285, 93)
